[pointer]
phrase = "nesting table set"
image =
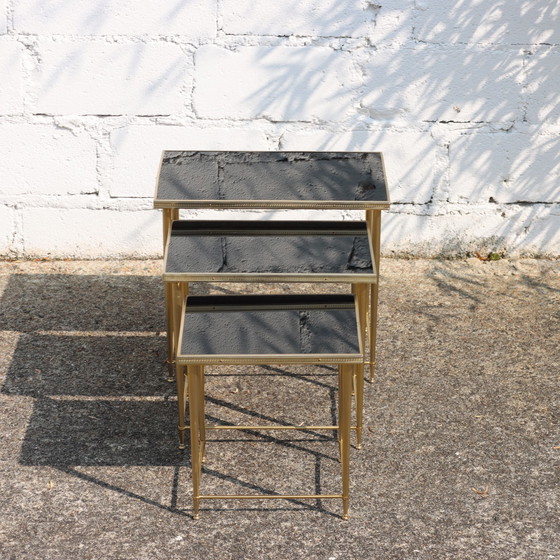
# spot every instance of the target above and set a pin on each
(333, 329)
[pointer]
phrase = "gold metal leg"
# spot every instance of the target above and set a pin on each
(202, 417)
(193, 375)
(177, 307)
(181, 292)
(359, 377)
(182, 403)
(169, 214)
(362, 295)
(169, 308)
(176, 292)
(344, 413)
(373, 218)
(338, 431)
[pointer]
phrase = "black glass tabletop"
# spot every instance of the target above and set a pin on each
(192, 179)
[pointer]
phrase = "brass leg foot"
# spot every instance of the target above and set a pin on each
(170, 371)
(371, 372)
(182, 446)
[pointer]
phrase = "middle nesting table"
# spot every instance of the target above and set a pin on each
(273, 251)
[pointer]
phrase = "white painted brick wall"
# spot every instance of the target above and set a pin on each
(478, 21)
(93, 232)
(463, 98)
(459, 230)
(46, 160)
(435, 83)
(259, 82)
(542, 86)
(528, 170)
(11, 85)
(195, 19)
(104, 78)
(3, 17)
(328, 18)
(7, 226)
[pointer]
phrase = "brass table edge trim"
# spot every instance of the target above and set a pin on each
(270, 204)
(268, 496)
(268, 428)
(268, 359)
(346, 278)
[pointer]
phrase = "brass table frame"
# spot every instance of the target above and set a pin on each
(372, 217)
(190, 372)
(178, 285)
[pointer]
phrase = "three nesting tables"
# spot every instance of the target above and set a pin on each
(271, 251)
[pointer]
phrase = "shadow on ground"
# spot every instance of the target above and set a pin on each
(460, 457)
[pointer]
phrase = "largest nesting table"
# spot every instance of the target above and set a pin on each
(273, 251)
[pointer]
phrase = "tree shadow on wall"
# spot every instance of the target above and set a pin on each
(491, 88)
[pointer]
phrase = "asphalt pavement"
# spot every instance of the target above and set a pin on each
(461, 452)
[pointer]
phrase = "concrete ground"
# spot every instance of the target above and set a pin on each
(461, 457)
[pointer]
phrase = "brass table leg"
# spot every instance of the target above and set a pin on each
(182, 403)
(169, 214)
(202, 415)
(359, 376)
(373, 218)
(194, 381)
(169, 315)
(344, 413)
(362, 296)
(339, 433)
(175, 292)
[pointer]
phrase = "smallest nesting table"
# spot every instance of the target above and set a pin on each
(265, 330)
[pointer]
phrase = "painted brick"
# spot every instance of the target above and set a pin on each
(410, 157)
(394, 21)
(541, 235)
(195, 19)
(455, 187)
(41, 159)
(444, 84)
(137, 151)
(11, 84)
(505, 167)
(3, 16)
(7, 228)
(449, 233)
(279, 83)
(329, 18)
(477, 21)
(104, 78)
(81, 233)
(543, 87)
